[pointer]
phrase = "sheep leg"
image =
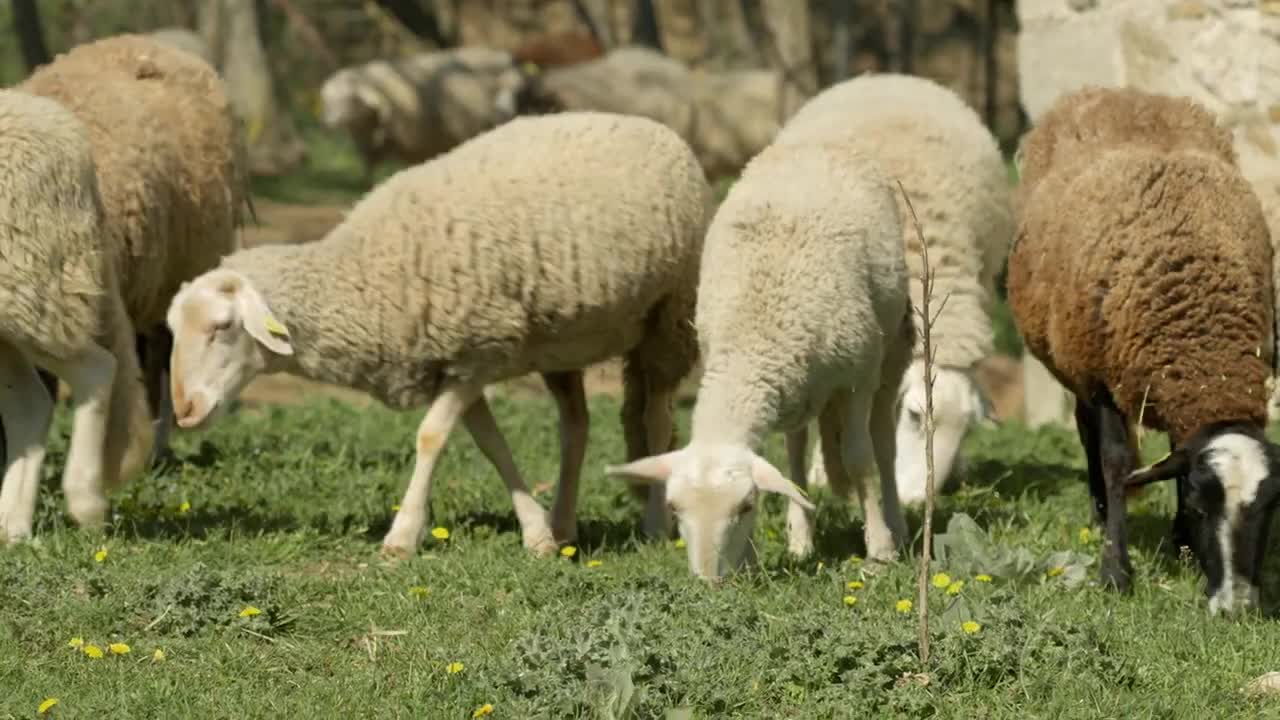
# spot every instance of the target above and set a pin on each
(818, 470)
(571, 400)
(1086, 425)
(153, 352)
(91, 376)
(534, 528)
(799, 524)
(1117, 460)
(857, 455)
(884, 442)
(406, 529)
(658, 424)
(26, 411)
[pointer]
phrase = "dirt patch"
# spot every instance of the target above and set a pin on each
(289, 224)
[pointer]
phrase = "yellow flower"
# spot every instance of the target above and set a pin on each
(970, 627)
(850, 600)
(679, 542)
(982, 578)
(821, 565)
(903, 606)
(941, 580)
(395, 507)
(93, 651)
(184, 508)
(158, 655)
(440, 533)
(568, 551)
(419, 591)
(954, 588)
(854, 584)
(483, 710)
(76, 642)
(594, 563)
(250, 611)
(1085, 536)
(100, 555)
(119, 648)
(47, 705)
(854, 560)
(454, 667)
(771, 534)
(1054, 571)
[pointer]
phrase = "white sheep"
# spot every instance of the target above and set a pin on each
(803, 311)
(63, 311)
(415, 108)
(544, 245)
(171, 172)
(953, 172)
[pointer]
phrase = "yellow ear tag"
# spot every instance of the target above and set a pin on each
(530, 68)
(274, 327)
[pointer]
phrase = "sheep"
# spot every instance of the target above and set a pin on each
(1140, 276)
(544, 245)
(413, 109)
(63, 311)
(727, 117)
(171, 170)
(803, 309)
(952, 170)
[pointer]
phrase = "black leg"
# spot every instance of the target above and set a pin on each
(1181, 533)
(1118, 460)
(50, 383)
(1087, 426)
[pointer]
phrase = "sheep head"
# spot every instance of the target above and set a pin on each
(224, 335)
(958, 403)
(713, 492)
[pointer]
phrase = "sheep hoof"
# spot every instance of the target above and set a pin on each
(394, 553)
(1116, 577)
(541, 543)
(90, 513)
(565, 533)
(14, 532)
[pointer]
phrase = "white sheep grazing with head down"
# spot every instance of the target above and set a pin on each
(802, 311)
(545, 245)
(952, 170)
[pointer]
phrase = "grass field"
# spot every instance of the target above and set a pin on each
(282, 510)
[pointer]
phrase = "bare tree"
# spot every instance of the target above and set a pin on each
(644, 28)
(30, 32)
(990, 38)
(782, 27)
(841, 19)
(419, 20)
(910, 13)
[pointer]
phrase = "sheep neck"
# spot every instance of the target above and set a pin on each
(733, 407)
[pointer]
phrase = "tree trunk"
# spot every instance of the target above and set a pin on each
(30, 32)
(644, 28)
(231, 27)
(787, 22)
(419, 20)
(841, 39)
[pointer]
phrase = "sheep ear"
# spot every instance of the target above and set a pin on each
(652, 470)
(260, 323)
(767, 478)
(986, 413)
(1175, 464)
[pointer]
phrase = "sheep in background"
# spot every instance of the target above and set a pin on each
(413, 109)
(1141, 278)
(545, 245)
(952, 170)
(803, 311)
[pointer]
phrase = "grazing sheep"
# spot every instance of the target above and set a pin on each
(171, 172)
(413, 109)
(1141, 278)
(544, 245)
(803, 311)
(63, 311)
(952, 170)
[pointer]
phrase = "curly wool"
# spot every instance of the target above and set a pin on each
(497, 259)
(1142, 261)
(926, 137)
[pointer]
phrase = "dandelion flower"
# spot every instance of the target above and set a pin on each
(821, 565)
(970, 627)
(454, 667)
(119, 648)
(854, 560)
(850, 600)
(184, 508)
(440, 533)
(1054, 571)
(941, 580)
(76, 643)
(854, 584)
(771, 534)
(679, 542)
(395, 507)
(419, 591)
(93, 651)
(568, 551)
(101, 555)
(483, 710)
(982, 577)
(955, 587)
(158, 655)
(47, 705)
(250, 611)
(903, 606)
(594, 563)
(1085, 536)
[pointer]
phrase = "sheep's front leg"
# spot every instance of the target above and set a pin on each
(90, 377)
(534, 528)
(26, 410)
(799, 524)
(406, 529)
(571, 400)
(1110, 435)
(658, 422)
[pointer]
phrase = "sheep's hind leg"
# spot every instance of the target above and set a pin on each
(1117, 459)
(534, 527)
(406, 529)
(571, 400)
(658, 424)
(26, 410)
(90, 376)
(799, 523)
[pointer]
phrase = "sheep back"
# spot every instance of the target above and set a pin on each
(1145, 271)
(540, 245)
(926, 137)
(169, 160)
(53, 272)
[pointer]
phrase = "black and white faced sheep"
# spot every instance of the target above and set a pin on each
(1141, 277)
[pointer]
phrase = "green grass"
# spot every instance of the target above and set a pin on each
(287, 508)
